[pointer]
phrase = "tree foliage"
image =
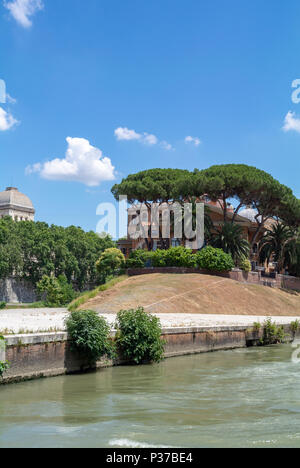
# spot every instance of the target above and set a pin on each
(230, 239)
(152, 186)
(223, 184)
(110, 261)
(56, 291)
(279, 244)
(31, 250)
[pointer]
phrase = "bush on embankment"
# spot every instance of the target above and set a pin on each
(209, 258)
(89, 335)
(139, 336)
(4, 365)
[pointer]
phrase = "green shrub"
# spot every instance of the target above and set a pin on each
(245, 265)
(207, 259)
(56, 291)
(110, 262)
(273, 334)
(180, 257)
(139, 258)
(67, 290)
(213, 259)
(257, 326)
(4, 365)
(89, 335)
(295, 326)
(139, 336)
(173, 257)
(134, 263)
(2, 305)
(158, 258)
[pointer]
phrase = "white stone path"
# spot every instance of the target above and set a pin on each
(45, 320)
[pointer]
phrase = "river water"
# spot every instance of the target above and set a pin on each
(241, 398)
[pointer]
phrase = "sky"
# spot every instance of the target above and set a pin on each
(98, 89)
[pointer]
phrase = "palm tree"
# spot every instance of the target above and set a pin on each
(279, 245)
(230, 239)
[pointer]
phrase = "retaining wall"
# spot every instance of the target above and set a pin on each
(280, 281)
(50, 354)
(14, 291)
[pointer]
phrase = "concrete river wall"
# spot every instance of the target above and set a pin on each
(50, 354)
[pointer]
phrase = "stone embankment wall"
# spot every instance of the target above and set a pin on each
(14, 291)
(280, 281)
(50, 354)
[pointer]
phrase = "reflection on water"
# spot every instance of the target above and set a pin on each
(233, 398)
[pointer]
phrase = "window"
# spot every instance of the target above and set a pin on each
(176, 242)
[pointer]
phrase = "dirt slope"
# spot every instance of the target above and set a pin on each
(198, 294)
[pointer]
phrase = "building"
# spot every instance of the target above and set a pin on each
(245, 219)
(17, 205)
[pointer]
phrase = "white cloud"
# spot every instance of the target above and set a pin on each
(23, 10)
(291, 122)
(83, 163)
(194, 140)
(149, 139)
(167, 146)
(126, 134)
(7, 121)
(123, 133)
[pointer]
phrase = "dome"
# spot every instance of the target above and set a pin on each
(16, 200)
(249, 213)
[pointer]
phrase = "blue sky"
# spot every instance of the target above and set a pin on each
(128, 81)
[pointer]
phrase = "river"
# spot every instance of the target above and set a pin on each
(241, 398)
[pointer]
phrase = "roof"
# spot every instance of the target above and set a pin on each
(13, 199)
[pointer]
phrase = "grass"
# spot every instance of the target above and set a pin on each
(86, 296)
(23, 331)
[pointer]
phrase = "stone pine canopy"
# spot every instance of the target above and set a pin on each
(17, 205)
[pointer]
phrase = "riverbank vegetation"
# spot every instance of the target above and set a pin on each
(4, 365)
(89, 335)
(272, 333)
(138, 336)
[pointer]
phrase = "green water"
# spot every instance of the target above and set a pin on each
(242, 398)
